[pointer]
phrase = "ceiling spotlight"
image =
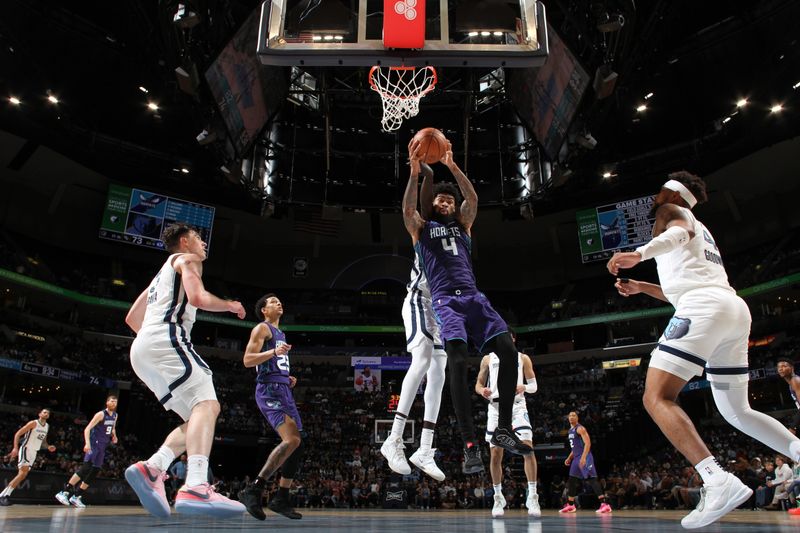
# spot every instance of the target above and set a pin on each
(497, 33)
(316, 37)
(726, 120)
(14, 100)
(52, 99)
(339, 37)
(485, 33)
(143, 89)
(329, 37)
(473, 34)
(796, 85)
(152, 106)
(606, 174)
(777, 108)
(648, 96)
(184, 170)
(742, 102)
(641, 108)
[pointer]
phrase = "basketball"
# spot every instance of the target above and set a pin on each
(433, 144)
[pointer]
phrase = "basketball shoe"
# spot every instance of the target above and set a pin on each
(76, 501)
(63, 498)
(604, 508)
(498, 509)
(472, 460)
(148, 484)
(423, 460)
(508, 440)
(280, 504)
(4, 501)
(532, 504)
(203, 499)
(568, 508)
(392, 448)
(251, 497)
(716, 501)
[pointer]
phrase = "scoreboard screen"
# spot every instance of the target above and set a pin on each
(139, 217)
(619, 227)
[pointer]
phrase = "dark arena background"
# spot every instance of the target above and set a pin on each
(259, 126)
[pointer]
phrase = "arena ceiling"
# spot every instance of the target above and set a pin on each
(697, 59)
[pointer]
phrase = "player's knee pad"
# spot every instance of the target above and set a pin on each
(292, 463)
(572, 486)
(84, 471)
(93, 473)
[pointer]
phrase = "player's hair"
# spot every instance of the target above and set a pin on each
(261, 302)
(44, 409)
(786, 360)
(444, 187)
(173, 233)
(694, 183)
(112, 396)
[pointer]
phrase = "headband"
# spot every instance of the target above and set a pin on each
(679, 187)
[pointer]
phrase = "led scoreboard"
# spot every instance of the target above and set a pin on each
(619, 227)
(139, 217)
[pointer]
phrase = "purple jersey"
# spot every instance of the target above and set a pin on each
(445, 255)
(576, 445)
(101, 433)
(276, 369)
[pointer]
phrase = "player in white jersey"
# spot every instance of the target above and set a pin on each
(28, 440)
(486, 386)
(428, 359)
(710, 331)
(163, 357)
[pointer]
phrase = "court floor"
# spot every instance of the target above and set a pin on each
(108, 519)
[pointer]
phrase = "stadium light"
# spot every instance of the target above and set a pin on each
(152, 106)
(14, 100)
(641, 108)
(742, 102)
(52, 99)
(777, 108)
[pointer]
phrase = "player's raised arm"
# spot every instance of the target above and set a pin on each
(469, 207)
(426, 191)
(411, 217)
(189, 266)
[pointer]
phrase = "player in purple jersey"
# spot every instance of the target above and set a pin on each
(268, 352)
(100, 431)
(785, 370)
(443, 246)
(581, 466)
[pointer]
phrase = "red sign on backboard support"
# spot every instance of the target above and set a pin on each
(403, 23)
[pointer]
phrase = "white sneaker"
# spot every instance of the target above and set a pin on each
(425, 462)
(76, 501)
(63, 498)
(716, 501)
(392, 449)
(498, 509)
(532, 504)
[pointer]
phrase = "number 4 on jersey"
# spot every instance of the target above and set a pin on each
(450, 245)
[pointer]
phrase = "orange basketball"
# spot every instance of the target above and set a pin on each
(433, 144)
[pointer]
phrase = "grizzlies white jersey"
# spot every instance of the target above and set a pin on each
(33, 439)
(167, 302)
(494, 366)
(698, 265)
(418, 280)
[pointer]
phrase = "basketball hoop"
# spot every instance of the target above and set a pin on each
(400, 89)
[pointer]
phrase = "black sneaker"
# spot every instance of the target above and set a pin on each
(472, 460)
(508, 440)
(282, 506)
(4, 501)
(251, 499)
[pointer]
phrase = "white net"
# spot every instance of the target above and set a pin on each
(400, 89)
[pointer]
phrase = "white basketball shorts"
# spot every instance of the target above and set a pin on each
(520, 421)
(709, 331)
(420, 322)
(165, 360)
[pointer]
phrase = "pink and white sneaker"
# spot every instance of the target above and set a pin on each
(148, 483)
(568, 508)
(604, 508)
(203, 499)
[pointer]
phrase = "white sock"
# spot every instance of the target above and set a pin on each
(426, 439)
(7, 491)
(531, 487)
(710, 471)
(161, 459)
(197, 470)
(498, 489)
(398, 426)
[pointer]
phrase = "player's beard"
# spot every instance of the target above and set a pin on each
(442, 219)
(653, 209)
